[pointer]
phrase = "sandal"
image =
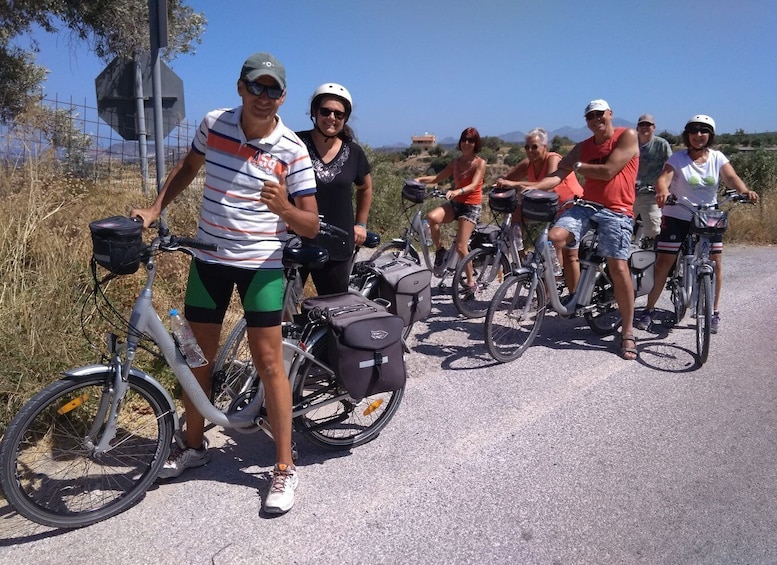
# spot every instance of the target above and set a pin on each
(629, 353)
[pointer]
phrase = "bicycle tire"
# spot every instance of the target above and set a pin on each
(233, 370)
(488, 276)
(703, 317)
(397, 249)
(606, 318)
(47, 472)
(343, 424)
(511, 326)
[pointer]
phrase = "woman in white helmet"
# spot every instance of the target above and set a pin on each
(340, 164)
(694, 173)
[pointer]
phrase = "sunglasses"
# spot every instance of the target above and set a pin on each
(699, 129)
(325, 112)
(257, 89)
(644, 124)
(595, 114)
(533, 147)
(468, 140)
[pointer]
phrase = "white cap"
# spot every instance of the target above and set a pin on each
(596, 105)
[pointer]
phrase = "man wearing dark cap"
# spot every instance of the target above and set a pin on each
(653, 153)
(253, 163)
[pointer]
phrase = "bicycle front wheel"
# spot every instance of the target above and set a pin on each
(49, 471)
(332, 419)
(397, 249)
(514, 317)
(703, 317)
(488, 275)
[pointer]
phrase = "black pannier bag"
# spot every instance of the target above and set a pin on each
(539, 205)
(117, 244)
(502, 200)
(642, 264)
(413, 191)
(406, 285)
(364, 343)
(483, 235)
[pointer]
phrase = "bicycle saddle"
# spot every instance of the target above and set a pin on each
(311, 257)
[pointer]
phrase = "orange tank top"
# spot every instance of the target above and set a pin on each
(617, 194)
(567, 189)
(463, 177)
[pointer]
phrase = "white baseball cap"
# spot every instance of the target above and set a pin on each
(596, 105)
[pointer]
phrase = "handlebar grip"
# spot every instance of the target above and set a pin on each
(194, 243)
(332, 230)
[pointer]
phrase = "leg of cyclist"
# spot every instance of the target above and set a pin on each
(571, 264)
(440, 215)
(667, 248)
(716, 254)
(463, 233)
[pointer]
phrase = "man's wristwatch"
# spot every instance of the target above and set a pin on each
(576, 166)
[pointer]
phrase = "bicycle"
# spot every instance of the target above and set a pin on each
(490, 260)
(518, 308)
(413, 195)
(234, 376)
(692, 280)
(89, 445)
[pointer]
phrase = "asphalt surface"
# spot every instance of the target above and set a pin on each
(567, 455)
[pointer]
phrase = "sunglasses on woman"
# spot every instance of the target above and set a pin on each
(325, 113)
(257, 89)
(468, 140)
(699, 129)
(533, 147)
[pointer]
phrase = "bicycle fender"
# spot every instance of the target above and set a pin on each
(89, 370)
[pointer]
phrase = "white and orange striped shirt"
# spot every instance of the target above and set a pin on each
(248, 234)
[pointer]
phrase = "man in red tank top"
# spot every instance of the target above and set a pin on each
(608, 161)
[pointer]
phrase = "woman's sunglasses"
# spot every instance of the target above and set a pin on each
(325, 112)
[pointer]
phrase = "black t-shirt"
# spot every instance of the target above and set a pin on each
(334, 190)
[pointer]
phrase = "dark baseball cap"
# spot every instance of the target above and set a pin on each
(263, 64)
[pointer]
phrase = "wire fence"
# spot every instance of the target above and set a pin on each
(85, 146)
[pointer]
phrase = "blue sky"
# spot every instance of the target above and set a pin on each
(438, 66)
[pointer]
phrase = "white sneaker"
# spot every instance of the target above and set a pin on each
(181, 459)
(280, 499)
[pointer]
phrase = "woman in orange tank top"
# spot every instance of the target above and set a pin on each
(538, 164)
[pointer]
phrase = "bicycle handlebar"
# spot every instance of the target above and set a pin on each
(672, 200)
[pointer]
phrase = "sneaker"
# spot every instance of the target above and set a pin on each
(469, 293)
(439, 256)
(644, 321)
(714, 323)
(280, 499)
(183, 458)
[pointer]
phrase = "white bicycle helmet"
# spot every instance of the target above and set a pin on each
(334, 89)
(701, 119)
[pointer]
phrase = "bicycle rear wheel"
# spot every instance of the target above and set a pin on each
(488, 276)
(233, 370)
(49, 472)
(606, 318)
(703, 317)
(342, 423)
(514, 317)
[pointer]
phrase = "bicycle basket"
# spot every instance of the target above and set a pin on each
(539, 206)
(709, 222)
(413, 191)
(117, 244)
(505, 201)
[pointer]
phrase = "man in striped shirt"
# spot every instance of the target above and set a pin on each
(253, 164)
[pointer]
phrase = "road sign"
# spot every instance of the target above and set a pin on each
(116, 105)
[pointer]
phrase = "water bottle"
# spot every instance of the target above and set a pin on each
(187, 344)
(427, 233)
(518, 236)
(554, 260)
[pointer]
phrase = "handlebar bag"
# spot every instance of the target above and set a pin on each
(503, 201)
(539, 205)
(709, 222)
(406, 285)
(117, 244)
(413, 191)
(364, 343)
(484, 234)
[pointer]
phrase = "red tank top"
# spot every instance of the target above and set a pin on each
(464, 177)
(617, 194)
(569, 187)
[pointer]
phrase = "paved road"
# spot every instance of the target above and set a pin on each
(568, 455)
